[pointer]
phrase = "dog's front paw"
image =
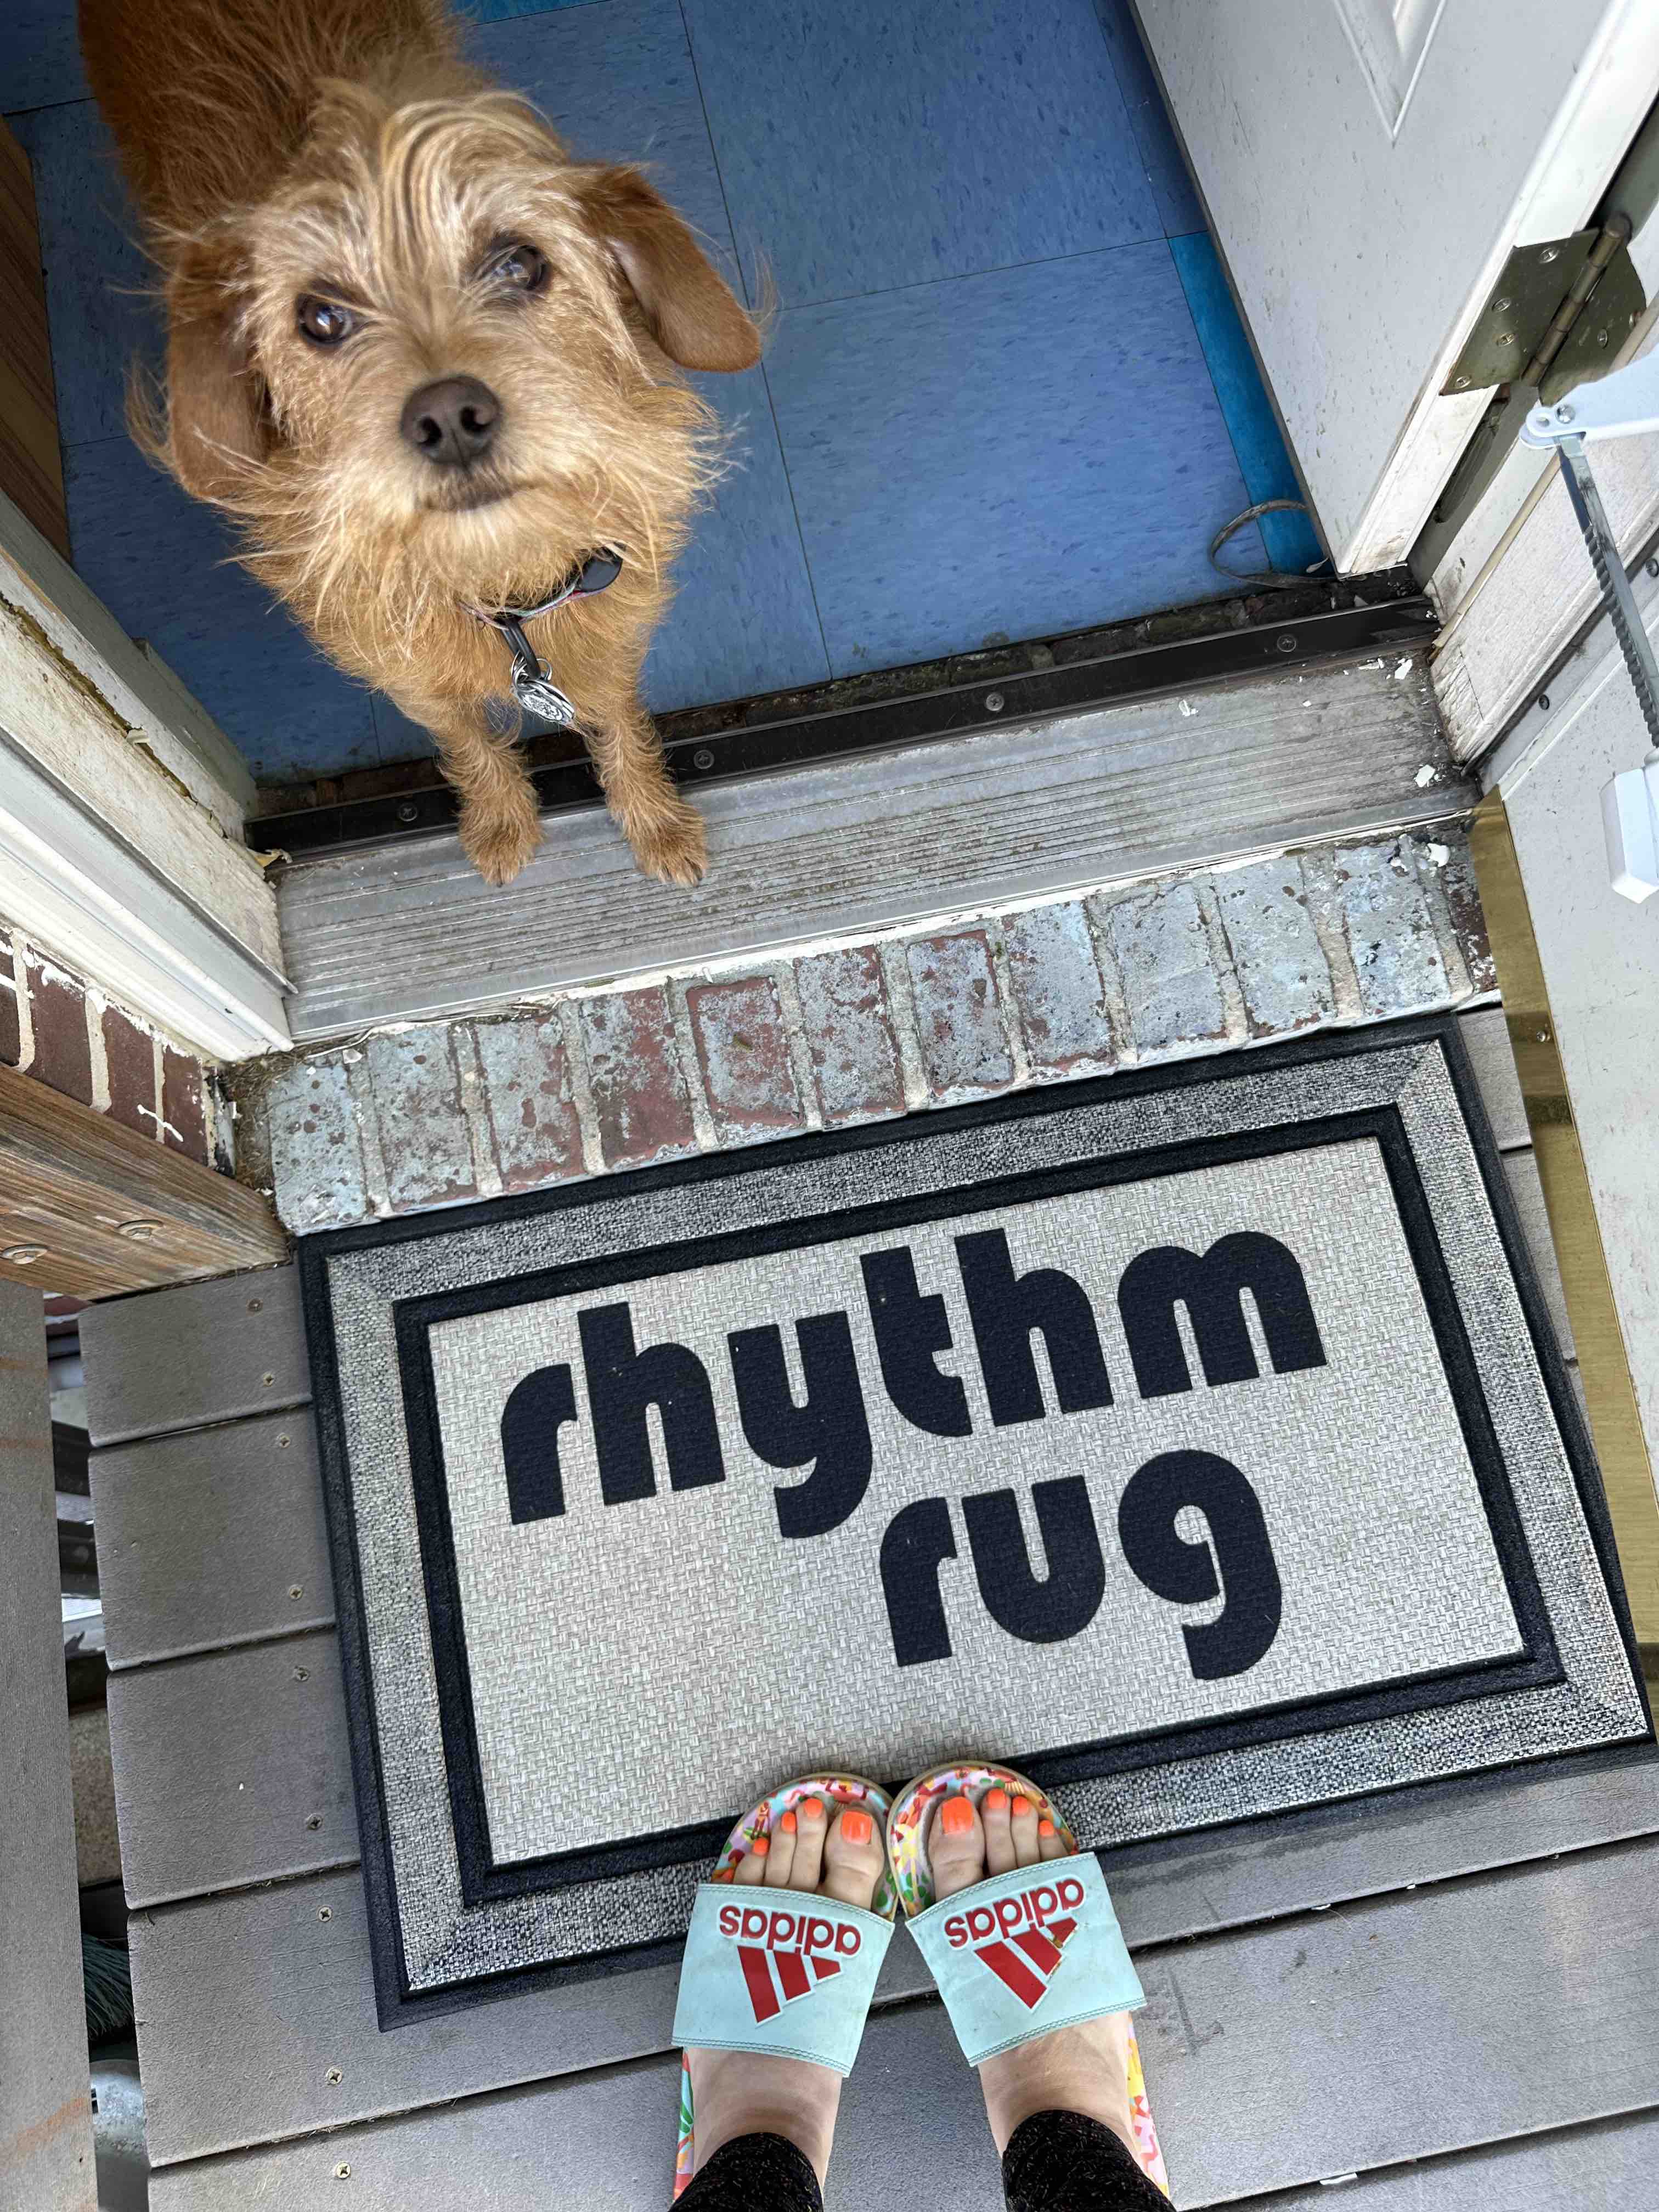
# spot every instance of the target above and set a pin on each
(672, 846)
(498, 842)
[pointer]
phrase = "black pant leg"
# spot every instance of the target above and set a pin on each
(754, 2173)
(1067, 2162)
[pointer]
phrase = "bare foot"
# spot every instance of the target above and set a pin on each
(1076, 2070)
(740, 2093)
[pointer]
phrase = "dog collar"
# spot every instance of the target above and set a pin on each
(532, 687)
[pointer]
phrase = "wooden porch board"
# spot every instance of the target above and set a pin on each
(1603, 2164)
(247, 2000)
(1276, 2057)
(45, 2118)
(407, 930)
(146, 1374)
(503, 2153)
(242, 1506)
(105, 1210)
(232, 1769)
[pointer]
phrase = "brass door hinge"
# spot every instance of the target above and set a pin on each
(1557, 316)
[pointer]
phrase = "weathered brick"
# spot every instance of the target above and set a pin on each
(184, 1104)
(417, 1104)
(1282, 971)
(1058, 990)
(532, 1109)
(1390, 927)
(959, 1019)
(10, 1027)
(1463, 897)
(1162, 949)
(129, 1057)
(316, 1156)
(63, 1050)
(856, 1055)
(640, 1098)
(743, 1048)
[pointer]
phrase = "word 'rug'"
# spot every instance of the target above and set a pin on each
(1195, 1440)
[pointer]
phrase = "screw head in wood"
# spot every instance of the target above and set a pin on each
(993, 702)
(702, 757)
(139, 1232)
(23, 1255)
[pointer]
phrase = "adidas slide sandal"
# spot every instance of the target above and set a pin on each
(1022, 1953)
(780, 1970)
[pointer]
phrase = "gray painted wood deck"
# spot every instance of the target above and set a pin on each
(1453, 1993)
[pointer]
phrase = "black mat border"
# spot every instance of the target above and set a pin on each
(397, 2003)
(484, 1881)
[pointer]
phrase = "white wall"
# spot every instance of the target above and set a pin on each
(1601, 958)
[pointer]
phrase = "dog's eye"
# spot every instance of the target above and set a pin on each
(521, 266)
(324, 322)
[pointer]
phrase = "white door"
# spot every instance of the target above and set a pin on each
(1368, 166)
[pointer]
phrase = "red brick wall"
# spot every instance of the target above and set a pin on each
(67, 1034)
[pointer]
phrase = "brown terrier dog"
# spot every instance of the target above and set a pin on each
(428, 362)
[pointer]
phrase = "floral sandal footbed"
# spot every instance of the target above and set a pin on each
(1024, 1952)
(752, 1953)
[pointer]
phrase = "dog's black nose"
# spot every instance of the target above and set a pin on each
(452, 422)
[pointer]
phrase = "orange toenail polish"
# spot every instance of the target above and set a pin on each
(855, 1826)
(761, 1845)
(956, 1816)
(1023, 1806)
(996, 1800)
(811, 1809)
(1045, 1827)
(788, 1824)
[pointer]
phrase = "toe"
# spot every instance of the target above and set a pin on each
(1024, 1823)
(994, 1812)
(781, 1859)
(853, 1857)
(808, 1863)
(1050, 1843)
(955, 1847)
(751, 1867)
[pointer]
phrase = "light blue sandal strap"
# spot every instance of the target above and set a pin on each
(772, 1971)
(1028, 1951)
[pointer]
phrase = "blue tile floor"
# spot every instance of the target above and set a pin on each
(987, 257)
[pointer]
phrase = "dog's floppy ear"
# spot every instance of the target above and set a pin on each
(217, 419)
(692, 313)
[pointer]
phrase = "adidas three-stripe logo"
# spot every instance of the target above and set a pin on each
(775, 1979)
(1020, 1937)
(785, 1955)
(1027, 1975)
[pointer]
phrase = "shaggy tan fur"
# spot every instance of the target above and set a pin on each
(281, 150)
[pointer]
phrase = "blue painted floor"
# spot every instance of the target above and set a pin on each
(987, 258)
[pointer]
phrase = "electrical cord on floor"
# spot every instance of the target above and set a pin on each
(1283, 578)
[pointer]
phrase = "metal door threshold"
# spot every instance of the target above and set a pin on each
(999, 689)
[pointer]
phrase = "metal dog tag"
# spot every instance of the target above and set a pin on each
(539, 695)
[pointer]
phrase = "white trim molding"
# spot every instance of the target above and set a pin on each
(78, 892)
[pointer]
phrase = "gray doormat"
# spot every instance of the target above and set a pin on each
(1196, 1439)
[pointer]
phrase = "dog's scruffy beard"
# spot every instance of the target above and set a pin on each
(378, 587)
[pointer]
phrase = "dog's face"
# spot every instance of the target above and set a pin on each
(433, 352)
